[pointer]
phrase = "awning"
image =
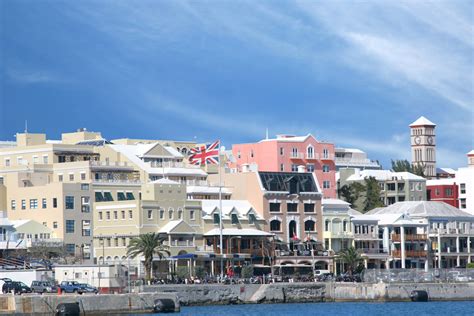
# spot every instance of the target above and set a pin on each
(185, 256)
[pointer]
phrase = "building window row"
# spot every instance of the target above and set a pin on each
(33, 203)
(115, 214)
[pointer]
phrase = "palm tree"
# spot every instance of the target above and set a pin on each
(147, 245)
(351, 257)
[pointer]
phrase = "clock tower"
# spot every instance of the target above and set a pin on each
(423, 145)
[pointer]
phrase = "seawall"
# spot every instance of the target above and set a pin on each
(92, 304)
(214, 294)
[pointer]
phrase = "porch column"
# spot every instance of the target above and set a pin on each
(469, 249)
(365, 263)
(402, 245)
(213, 267)
(439, 250)
(458, 258)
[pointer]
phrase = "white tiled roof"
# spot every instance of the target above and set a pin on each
(288, 138)
(206, 189)
(334, 202)
(382, 175)
(133, 152)
(423, 209)
(422, 121)
(241, 206)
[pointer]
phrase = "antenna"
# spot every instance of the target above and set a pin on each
(266, 134)
(26, 126)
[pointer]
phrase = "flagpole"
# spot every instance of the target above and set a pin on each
(220, 213)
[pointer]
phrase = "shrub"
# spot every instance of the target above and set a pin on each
(470, 265)
(247, 272)
(182, 272)
(200, 272)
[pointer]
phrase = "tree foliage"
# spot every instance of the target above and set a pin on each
(351, 192)
(351, 258)
(147, 245)
(406, 166)
(372, 196)
(247, 272)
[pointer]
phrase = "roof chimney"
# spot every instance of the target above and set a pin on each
(301, 169)
(245, 167)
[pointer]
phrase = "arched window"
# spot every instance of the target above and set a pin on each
(275, 225)
(344, 226)
(170, 213)
(309, 226)
(310, 152)
(184, 151)
(180, 214)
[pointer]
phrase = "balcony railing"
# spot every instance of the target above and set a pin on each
(314, 156)
(182, 243)
(409, 253)
(302, 253)
(125, 181)
(366, 236)
(95, 163)
(297, 155)
(172, 164)
(372, 251)
(411, 237)
(452, 231)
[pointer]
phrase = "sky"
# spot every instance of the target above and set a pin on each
(354, 73)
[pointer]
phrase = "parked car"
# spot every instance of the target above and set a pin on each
(44, 287)
(424, 277)
(86, 288)
(16, 287)
(71, 287)
(2, 282)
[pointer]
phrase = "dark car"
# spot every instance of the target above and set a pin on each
(43, 287)
(86, 288)
(16, 287)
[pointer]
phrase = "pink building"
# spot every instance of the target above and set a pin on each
(288, 153)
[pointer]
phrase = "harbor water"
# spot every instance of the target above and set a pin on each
(455, 308)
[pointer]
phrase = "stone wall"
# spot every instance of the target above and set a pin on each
(91, 304)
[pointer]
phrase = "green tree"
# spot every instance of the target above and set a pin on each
(200, 272)
(372, 194)
(182, 272)
(247, 272)
(406, 166)
(351, 258)
(147, 245)
(351, 192)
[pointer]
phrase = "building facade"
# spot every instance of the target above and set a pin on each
(443, 190)
(286, 153)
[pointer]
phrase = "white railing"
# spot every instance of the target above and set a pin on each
(96, 163)
(171, 164)
(132, 181)
(182, 243)
(297, 155)
(195, 182)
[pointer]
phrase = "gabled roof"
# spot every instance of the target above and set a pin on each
(422, 121)
(242, 207)
(177, 227)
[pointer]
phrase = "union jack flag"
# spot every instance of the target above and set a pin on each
(206, 154)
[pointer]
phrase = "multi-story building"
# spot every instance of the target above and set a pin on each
(354, 158)
(423, 145)
(338, 233)
(291, 204)
(394, 186)
(443, 190)
(424, 234)
(465, 181)
(286, 153)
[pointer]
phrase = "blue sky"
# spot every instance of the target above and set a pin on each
(353, 73)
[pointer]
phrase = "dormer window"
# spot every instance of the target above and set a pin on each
(216, 219)
(252, 219)
(235, 219)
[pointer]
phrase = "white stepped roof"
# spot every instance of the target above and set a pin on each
(423, 209)
(422, 121)
(382, 175)
(471, 152)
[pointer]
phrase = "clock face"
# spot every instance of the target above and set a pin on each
(430, 140)
(417, 140)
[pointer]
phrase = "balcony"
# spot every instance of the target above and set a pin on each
(110, 165)
(409, 253)
(172, 164)
(302, 253)
(182, 243)
(297, 155)
(117, 181)
(370, 236)
(451, 231)
(412, 237)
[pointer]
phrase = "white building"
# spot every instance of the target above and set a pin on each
(354, 158)
(465, 181)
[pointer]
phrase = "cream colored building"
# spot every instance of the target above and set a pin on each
(338, 232)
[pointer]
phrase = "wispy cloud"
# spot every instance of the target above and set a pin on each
(31, 76)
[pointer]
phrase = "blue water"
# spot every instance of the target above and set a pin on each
(329, 309)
